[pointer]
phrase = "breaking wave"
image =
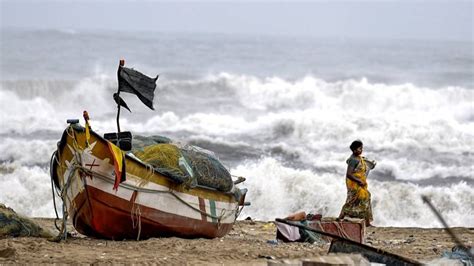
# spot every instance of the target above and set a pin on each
(278, 191)
(289, 137)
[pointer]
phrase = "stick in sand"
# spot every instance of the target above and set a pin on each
(441, 219)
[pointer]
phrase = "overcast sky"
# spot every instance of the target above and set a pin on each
(452, 20)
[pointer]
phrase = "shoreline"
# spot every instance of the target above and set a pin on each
(247, 243)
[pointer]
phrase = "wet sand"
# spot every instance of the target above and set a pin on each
(246, 244)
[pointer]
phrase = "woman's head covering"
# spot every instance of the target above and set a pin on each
(356, 144)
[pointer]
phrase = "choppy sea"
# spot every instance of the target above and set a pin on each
(280, 111)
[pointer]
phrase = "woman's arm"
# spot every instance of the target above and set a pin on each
(349, 174)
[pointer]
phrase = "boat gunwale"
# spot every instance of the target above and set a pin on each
(79, 128)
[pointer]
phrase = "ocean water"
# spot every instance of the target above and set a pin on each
(280, 111)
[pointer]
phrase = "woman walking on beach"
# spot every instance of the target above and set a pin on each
(358, 196)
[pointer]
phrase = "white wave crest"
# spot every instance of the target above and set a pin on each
(276, 191)
(418, 135)
(27, 151)
(35, 107)
(26, 189)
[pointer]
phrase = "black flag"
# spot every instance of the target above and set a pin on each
(137, 83)
(121, 102)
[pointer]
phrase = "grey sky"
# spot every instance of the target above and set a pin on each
(451, 20)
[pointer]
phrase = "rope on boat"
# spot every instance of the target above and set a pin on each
(146, 190)
(77, 167)
(135, 211)
(51, 162)
(62, 193)
(62, 230)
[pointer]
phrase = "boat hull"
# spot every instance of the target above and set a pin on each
(113, 218)
(147, 204)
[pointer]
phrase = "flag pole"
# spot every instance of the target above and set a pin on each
(121, 64)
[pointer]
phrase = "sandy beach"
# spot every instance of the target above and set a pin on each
(246, 244)
(272, 91)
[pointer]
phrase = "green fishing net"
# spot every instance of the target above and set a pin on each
(183, 163)
(165, 159)
(14, 225)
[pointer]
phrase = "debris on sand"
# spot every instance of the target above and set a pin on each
(14, 225)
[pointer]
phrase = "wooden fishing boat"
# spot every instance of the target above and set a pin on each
(147, 204)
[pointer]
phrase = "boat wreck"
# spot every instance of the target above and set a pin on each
(341, 244)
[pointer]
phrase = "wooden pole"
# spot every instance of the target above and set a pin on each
(448, 229)
(121, 64)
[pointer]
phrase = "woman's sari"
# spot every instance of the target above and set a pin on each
(358, 197)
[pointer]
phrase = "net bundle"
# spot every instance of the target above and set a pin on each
(14, 225)
(184, 163)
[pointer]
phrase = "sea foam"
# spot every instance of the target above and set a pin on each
(289, 137)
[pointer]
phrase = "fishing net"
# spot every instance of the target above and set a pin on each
(208, 170)
(165, 159)
(14, 225)
(140, 142)
(183, 163)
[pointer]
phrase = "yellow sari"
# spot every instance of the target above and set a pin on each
(358, 197)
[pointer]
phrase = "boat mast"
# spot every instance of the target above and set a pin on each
(121, 64)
